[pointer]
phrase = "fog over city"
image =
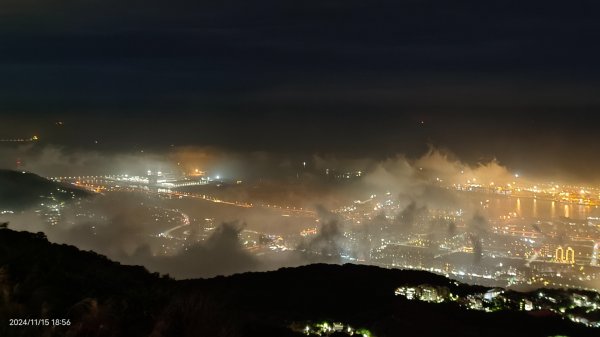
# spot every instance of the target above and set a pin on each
(260, 211)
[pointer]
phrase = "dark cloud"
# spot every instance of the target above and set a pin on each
(439, 227)
(406, 219)
(478, 224)
(325, 246)
(477, 248)
(477, 228)
(221, 254)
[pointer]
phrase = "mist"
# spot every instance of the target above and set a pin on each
(120, 227)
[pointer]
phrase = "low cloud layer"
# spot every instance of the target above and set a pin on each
(220, 254)
(120, 226)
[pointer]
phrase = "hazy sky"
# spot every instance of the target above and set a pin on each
(506, 79)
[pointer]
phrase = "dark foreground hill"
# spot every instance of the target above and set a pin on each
(98, 297)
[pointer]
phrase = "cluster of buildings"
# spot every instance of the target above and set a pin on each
(578, 306)
(326, 328)
(563, 193)
(492, 251)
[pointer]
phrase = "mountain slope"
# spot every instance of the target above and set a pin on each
(20, 190)
(103, 298)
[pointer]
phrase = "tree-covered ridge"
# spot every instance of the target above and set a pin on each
(43, 280)
(99, 297)
(21, 190)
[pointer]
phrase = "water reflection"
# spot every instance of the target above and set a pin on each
(537, 208)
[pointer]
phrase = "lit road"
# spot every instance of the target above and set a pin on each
(186, 222)
(100, 184)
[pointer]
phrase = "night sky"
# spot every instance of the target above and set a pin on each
(514, 80)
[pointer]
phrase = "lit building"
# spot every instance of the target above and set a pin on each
(429, 294)
(491, 294)
(564, 256)
(526, 305)
(595, 252)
